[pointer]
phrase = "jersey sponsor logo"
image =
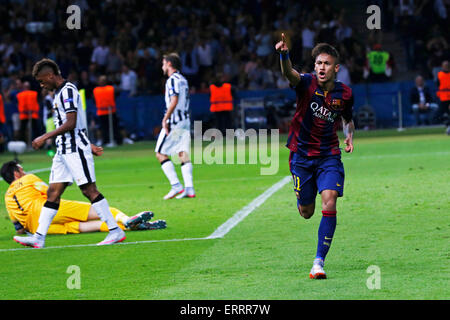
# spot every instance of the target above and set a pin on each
(323, 113)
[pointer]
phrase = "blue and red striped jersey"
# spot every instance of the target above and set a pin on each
(313, 130)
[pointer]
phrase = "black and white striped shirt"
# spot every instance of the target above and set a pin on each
(177, 85)
(67, 99)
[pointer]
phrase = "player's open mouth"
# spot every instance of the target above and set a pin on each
(321, 74)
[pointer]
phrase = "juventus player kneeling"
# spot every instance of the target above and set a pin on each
(73, 160)
(175, 135)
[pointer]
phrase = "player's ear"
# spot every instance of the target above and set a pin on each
(336, 67)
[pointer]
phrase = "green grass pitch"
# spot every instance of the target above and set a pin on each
(394, 215)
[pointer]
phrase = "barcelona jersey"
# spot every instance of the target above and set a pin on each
(313, 130)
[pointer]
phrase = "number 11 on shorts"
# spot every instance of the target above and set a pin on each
(296, 182)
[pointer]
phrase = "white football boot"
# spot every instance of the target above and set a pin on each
(317, 271)
(114, 236)
(176, 189)
(33, 241)
(187, 193)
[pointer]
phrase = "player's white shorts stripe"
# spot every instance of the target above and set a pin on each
(85, 166)
(160, 142)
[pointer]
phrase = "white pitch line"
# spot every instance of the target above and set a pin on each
(220, 232)
(244, 212)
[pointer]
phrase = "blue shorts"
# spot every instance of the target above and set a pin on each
(315, 174)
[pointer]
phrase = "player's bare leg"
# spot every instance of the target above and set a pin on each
(101, 206)
(329, 199)
(54, 192)
(169, 170)
(307, 211)
(186, 170)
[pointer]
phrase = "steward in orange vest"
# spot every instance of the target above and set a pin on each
(443, 94)
(105, 101)
(2, 111)
(444, 85)
(221, 99)
(27, 104)
(28, 107)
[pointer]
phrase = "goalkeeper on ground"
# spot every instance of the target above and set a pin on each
(27, 194)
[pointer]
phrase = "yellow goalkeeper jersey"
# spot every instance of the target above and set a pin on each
(24, 200)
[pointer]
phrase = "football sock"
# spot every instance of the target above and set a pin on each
(169, 170)
(119, 216)
(186, 170)
(325, 234)
(48, 212)
(101, 206)
(104, 227)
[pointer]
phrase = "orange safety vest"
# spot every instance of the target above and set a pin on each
(2, 110)
(28, 103)
(444, 86)
(221, 98)
(104, 100)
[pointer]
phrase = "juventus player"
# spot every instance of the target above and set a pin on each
(73, 160)
(175, 135)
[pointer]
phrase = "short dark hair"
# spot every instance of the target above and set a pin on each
(8, 170)
(45, 64)
(174, 59)
(325, 48)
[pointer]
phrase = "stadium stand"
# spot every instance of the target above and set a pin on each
(235, 38)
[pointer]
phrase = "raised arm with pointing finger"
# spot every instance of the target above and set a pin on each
(286, 66)
(315, 158)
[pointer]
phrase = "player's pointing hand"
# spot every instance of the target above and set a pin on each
(281, 46)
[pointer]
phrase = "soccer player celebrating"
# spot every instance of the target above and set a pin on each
(175, 135)
(315, 157)
(73, 160)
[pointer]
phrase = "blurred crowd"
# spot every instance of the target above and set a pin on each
(422, 27)
(125, 39)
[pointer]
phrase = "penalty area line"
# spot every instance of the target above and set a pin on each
(220, 232)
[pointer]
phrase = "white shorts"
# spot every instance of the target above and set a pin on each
(76, 166)
(178, 140)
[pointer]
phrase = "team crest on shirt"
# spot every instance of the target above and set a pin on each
(336, 104)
